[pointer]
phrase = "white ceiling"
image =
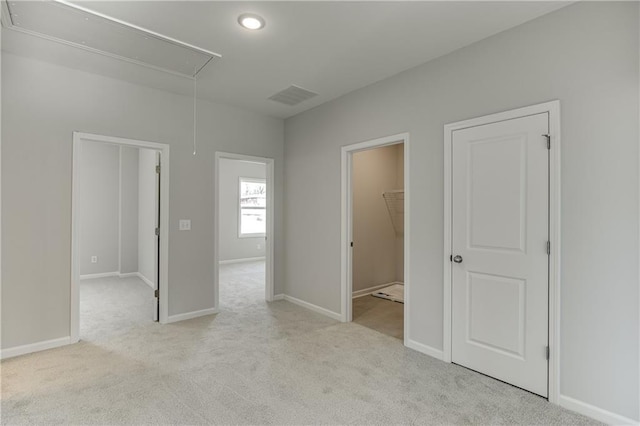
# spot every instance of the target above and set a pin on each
(331, 48)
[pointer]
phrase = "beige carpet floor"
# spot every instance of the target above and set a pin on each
(253, 363)
(384, 316)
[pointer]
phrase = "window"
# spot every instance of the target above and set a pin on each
(253, 207)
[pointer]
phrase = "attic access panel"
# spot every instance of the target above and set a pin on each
(83, 28)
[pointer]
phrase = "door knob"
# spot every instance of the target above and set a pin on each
(457, 259)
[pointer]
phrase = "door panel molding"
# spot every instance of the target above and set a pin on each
(553, 110)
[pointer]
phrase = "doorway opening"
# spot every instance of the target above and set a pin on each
(119, 234)
(243, 228)
(375, 194)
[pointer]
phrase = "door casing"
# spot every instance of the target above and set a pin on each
(553, 109)
(269, 245)
(163, 260)
(347, 226)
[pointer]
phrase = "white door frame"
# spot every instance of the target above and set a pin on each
(78, 137)
(269, 163)
(347, 223)
(553, 109)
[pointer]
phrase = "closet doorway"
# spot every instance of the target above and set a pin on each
(119, 247)
(375, 189)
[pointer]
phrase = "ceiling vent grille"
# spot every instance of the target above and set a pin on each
(292, 95)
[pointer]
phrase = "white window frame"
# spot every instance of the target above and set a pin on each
(251, 180)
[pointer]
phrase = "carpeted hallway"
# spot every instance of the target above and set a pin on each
(253, 363)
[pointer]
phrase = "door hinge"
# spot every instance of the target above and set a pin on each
(157, 231)
(156, 293)
(548, 247)
(547, 352)
(548, 136)
(351, 244)
(451, 258)
(158, 169)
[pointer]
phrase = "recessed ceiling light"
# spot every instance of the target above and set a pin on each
(251, 21)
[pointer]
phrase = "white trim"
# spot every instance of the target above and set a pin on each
(315, 308)
(120, 208)
(146, 280)
(553, 109)
(346, 224)
(269, 245)
(78, 137)
(594, 412)
(425, 349)
(35, 347)
(246, 259)
(129, 275)
(367, 291)
(100, 275)
(191, 315)
(278, 297)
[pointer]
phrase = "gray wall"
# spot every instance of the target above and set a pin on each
(99, 207)
(108, 208)
(585, 55)
(128, 210)
(375, 256)
(147, 214)
(42, 104)
(231, 246)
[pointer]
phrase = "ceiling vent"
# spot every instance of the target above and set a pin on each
(292, 95)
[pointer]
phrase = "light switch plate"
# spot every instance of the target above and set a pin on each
(184, 225)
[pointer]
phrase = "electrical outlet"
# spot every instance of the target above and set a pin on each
(184, 225)
(94, 259)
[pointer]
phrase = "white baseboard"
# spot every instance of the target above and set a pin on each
(34, 347)
(191, 315)
(313, 307)
(427, 350)
(278, 297)
(369, 290)
(594, 412)
(129, 274)
(101, 275)
(247, 259)
(146, 280)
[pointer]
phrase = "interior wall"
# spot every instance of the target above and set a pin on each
(232, 247)
(587, 56)
(375, 256)
(42, 105)
(128, 210)
(147, 215)
(99, 207)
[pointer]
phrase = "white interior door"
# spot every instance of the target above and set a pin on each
(500, 232)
